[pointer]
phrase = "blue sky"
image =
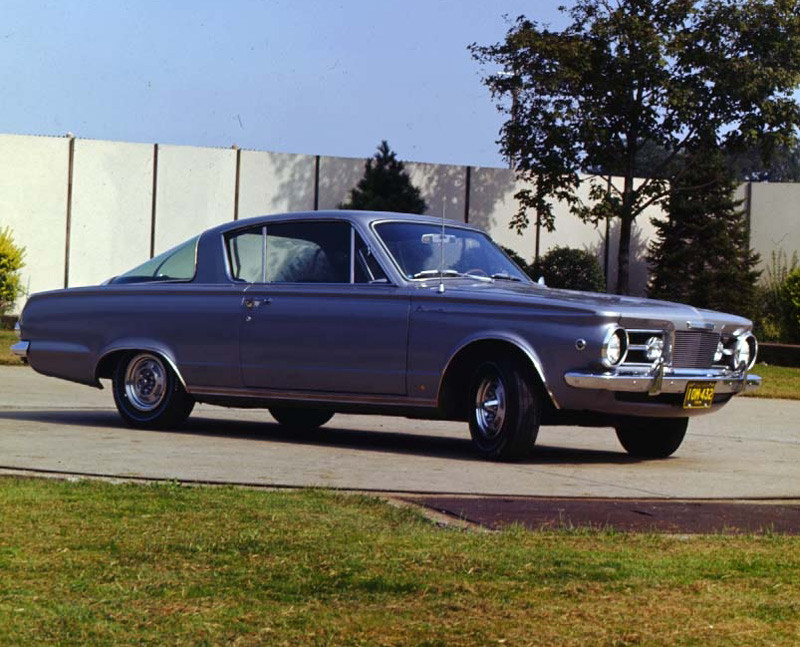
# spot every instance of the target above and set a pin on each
(330, 78)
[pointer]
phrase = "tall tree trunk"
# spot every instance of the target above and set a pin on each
(625, 228)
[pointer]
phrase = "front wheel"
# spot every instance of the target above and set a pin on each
(652, 437)
(505, 410)
(148, 394)
(301, 418)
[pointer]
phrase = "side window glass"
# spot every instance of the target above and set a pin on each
(308, 252)
(367, 269)
(246, 255)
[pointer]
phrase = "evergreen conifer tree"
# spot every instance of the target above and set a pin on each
(701, 255)
(386, 186)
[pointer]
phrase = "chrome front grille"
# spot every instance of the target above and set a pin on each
(694, 349)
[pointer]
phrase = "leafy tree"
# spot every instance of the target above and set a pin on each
(11, 261)
(385, 186)
(783, 165)
(630, 77)
(702, 254)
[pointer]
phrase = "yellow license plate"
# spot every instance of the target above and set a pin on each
(699, 395)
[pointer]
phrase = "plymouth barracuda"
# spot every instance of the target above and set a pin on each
(310, 314)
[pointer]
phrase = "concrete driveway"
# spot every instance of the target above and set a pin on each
(749, 450)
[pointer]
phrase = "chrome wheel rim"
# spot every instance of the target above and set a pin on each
(145, 382)
(490, 406)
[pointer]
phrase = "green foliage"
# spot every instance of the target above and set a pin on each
(11, 262)
(771, 320)
(790, 297)
(701, 255)
(635, 79)
(570, 269)
(386, 186)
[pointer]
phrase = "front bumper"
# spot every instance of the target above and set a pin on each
(663, 381)
(20, 349)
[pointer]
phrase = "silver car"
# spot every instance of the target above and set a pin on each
(310, 314)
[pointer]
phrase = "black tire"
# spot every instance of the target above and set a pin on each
(148, 394)
(505, 410)
(300, 418)
(652, 437)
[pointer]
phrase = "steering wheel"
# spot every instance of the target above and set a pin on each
(477, 271)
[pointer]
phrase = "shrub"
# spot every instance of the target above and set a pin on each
(772, 319)
(571, 269)
(790, 297)
(10, 264)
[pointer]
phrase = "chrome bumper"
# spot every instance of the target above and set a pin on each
(20, 349)
(663, 382)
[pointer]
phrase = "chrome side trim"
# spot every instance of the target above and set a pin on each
(149, 349)
(317, 396)
(20, 349)
(725, 382)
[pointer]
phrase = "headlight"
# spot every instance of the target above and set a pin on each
(615, 347)
(745, 351)
(720, 352)
(654, 348)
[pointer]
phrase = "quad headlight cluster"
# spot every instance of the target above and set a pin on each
(648, 347)
(737, 352)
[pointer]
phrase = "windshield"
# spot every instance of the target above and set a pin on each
(176, 264)
(420, 250)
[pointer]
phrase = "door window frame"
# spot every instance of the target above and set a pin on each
(228, 236)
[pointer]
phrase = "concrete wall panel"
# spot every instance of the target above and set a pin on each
(775, 220)
(196, 190)
(442, 187)
(112, 193)
(337, 176)
(275, 183)
(33, 202)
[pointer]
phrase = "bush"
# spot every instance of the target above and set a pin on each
(10, 264)
(772, 322)
(571, 269)
(790, 298)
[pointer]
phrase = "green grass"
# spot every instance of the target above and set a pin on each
(778, 382)
(7, 358)
(98, 564)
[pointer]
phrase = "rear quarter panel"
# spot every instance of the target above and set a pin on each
(194, 326)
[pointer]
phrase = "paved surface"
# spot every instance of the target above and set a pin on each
(749, 450)
(627, 515)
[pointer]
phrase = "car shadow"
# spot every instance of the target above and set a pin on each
(355, 439)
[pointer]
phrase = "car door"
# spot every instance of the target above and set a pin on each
(319, 313)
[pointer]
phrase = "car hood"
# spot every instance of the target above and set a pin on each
(606, 305)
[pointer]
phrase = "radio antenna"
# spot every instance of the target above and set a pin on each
(441, 250)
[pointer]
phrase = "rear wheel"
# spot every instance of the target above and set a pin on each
(652, 437)
(301, 418)
(505, 410)
(148, 394)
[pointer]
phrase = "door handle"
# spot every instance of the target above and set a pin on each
(254, 303)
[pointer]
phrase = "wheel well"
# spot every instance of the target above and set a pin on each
(105, 368)
(107, 364)
(454, 392)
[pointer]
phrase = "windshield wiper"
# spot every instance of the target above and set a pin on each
(503, 276)
(425, 274)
